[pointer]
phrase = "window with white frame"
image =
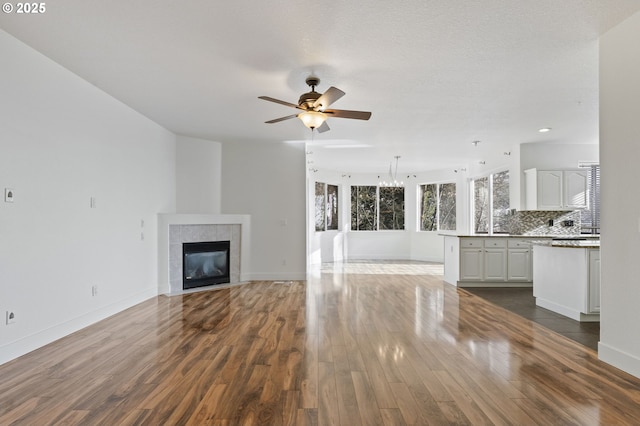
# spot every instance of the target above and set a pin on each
(438, 207)
(326, 206)
(491, 203)
(377, 208)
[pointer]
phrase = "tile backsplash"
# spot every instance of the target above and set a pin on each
(536, 222)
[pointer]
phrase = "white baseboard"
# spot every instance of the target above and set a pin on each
(284, 276)
(562, 310)
(41, 338)
(619, 359)
(428, 259)
(567, 312)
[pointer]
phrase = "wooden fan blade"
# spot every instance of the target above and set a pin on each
(277, 120)
(327, 98)
(344, 113)
(278, 101)
(324, 127)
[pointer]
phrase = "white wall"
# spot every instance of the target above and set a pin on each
(198, 175)
(62, 142)
(267, 181)
(556, 156)
(619, 153)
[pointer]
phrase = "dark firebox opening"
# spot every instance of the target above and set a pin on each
(205, 263)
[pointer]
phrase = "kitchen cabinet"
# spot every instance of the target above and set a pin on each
(566, 280)
(492, 262)
(471, 259)
(593, 304)
(495, 260)
(519, 261)
(556, 189)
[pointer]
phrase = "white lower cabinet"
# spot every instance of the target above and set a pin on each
(471, 261)
(519, 262)
(495, 264)
(494, 261)
(593, 303)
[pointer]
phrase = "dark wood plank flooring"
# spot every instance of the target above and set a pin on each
(355, 345)
(522, 302)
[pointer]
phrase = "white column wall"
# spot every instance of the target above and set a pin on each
(619, 152)
(267, 181)
(198, 175)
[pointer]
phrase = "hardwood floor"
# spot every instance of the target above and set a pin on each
(392, 346)
(522, 302)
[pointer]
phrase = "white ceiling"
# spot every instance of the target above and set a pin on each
(436, 74)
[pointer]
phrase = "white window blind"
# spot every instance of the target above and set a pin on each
(590, 218)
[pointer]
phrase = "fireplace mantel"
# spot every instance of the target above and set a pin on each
(168, 223)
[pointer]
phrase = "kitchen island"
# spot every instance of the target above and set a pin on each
(478, 260)
(566, 277)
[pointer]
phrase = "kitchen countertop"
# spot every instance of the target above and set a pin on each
(538, 237)
(568, 244)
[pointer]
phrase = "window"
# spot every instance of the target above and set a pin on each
(374, 208)
(326, 203)
(364, 208)
(491, 203)
(320, 206)
(590, 218)
(438, 207)
(332, 207)
(481, 205)
(391, 208)
(500, 202)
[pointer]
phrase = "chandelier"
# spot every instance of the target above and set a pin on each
(393, 176)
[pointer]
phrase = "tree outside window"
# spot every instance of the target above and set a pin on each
(491, 203)
(447, 203)
(374, 208)
(481, 205)
(332, 207)
(320, 206)
(501, 204)
(391, 208)
(364, 208)
(438, 207)
(326, 205)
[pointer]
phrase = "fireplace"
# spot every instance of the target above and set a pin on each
(205, 263)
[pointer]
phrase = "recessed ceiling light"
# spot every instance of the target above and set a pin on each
(545, 130)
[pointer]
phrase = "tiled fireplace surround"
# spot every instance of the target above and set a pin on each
(175, 229)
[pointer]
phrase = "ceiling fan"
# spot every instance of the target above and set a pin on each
(314, 107)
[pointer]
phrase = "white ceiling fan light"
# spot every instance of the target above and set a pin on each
(312, 119)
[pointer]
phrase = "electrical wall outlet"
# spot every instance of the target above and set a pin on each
(8, 195)
(11, 317)
(94, 290)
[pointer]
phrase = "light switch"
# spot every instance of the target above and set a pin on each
(8, 195)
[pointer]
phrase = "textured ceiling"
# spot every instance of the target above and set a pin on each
(436, 74)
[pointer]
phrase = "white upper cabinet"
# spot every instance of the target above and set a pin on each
(576, 189)
(556, 189)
